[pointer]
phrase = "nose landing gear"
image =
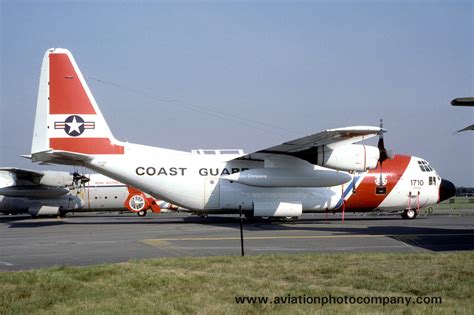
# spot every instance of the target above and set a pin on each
(409, 214)
(141, 213)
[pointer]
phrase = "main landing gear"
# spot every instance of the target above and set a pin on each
(409, 214)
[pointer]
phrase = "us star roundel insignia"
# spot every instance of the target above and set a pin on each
(74, 125)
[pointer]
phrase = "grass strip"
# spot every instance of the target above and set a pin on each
(209, 285)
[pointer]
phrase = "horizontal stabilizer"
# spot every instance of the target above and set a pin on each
(61, 157)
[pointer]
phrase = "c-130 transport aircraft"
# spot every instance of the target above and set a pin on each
(326, 171)
(55, 193)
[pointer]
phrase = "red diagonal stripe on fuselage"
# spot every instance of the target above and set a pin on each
(86, 145)
(365, 197)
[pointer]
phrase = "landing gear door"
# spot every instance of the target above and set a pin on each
(211, 193)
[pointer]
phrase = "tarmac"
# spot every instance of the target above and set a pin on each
(85, 239)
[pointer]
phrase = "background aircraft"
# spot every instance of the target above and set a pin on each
(464, 101)
(326, 171)
(57, 193)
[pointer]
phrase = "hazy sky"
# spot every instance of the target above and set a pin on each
(188, 75)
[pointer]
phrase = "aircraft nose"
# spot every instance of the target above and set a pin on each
(446, 190)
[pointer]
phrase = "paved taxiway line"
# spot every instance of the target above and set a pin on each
(146, 241)
(166, 247)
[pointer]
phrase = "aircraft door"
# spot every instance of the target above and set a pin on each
(211, 193)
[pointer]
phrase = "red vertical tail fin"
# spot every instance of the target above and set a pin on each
(67, 115)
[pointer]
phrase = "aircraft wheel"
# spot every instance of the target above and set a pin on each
(409, 214)
(141, 213)
(290, 219)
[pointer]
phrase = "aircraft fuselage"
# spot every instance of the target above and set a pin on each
(201, 185)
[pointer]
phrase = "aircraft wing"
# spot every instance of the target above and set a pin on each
(463, 101)
(18, 182)
(307, 146)
(23, 174)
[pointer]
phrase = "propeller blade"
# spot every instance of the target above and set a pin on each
(381, 145)
(80, 178)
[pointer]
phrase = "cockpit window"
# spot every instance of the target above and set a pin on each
(424, 166)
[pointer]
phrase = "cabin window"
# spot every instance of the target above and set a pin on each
(380, 190)
(424, 166)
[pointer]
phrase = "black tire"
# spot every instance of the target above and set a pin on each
(141, 213)
(290, 219)
(409, 214)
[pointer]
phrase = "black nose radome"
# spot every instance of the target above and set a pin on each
(446, 190)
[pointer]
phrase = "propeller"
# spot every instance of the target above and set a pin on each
(79, 181)
(383, 153)
(79, 178)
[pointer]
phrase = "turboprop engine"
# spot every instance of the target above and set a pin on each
(349, 157)
(56, 179)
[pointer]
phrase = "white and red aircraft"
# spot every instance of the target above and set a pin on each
(56, 193)
(322, 172)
